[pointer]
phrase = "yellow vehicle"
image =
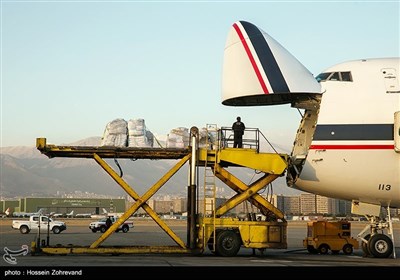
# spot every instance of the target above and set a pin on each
(323, 236)
(209, 224)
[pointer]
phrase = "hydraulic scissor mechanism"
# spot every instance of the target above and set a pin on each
(207, 226)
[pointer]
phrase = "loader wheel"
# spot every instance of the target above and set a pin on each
(103, 229)
(348, 249)
(228, 243)
(380, 246)
(323, 249)
(312, 250)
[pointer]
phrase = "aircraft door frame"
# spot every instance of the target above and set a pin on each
(391, 81)
(397, 131)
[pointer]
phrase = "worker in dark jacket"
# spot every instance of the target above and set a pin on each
(238, 128)
(108, 222)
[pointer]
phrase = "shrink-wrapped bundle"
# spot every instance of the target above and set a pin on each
(205, 137)
(138, 135)
(178, 138)
(115, 134)
(136, 127)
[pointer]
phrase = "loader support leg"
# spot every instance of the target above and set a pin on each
(192, 216)
(140, 201)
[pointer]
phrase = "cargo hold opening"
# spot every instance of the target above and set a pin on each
(297, 100)
(397, 131)
(301, 145)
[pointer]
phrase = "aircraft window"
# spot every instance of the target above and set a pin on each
(346, 76)
(334, 77)
(322, 77)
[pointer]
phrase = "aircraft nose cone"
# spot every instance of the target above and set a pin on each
(257, 70)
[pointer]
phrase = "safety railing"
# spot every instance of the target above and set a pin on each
(251, 138)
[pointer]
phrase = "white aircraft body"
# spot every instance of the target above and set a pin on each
(103, 214)
(83, 215)
(347, 145)
(60, 215)
(28, 214)
(6, 213)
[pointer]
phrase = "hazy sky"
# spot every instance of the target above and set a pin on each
(70, 67)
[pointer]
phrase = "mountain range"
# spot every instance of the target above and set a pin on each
(27, 172)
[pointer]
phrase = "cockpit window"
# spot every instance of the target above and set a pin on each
(346, 76)
(323, 76)
(335, 76)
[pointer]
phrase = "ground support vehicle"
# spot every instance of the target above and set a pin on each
(37, 222)
(100, 225)
(323, 236)
(208, 226)
(225, 236)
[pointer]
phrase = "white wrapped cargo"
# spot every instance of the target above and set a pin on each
(138, 141)
(178, 138)
(150, 138)
(132, 133)
(136, 127)
(115, 134)
(138, 135)
(206, 137)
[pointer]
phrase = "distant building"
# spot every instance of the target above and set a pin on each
(303, 204)
(324, 205)
(289, 205)
(12, 204)
(344, 208)
(175, 205)
(66, 205)
(210, 204)
(180, 205)
(308, 204)
(163, 206)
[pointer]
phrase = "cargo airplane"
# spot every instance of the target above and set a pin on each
(347, 145)
(6, 213)
(41, 211)
(61, 215)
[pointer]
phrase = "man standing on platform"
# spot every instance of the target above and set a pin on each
(238, 128)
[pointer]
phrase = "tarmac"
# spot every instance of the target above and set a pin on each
(148, 233)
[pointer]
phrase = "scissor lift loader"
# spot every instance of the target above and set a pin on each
(207, 229)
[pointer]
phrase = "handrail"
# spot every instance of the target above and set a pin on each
(251, 138)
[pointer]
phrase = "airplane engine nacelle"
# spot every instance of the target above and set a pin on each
(257, 71)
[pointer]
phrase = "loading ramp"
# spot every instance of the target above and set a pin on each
(207, 229)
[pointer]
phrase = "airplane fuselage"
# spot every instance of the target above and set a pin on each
(354, 152)
(347, 145)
